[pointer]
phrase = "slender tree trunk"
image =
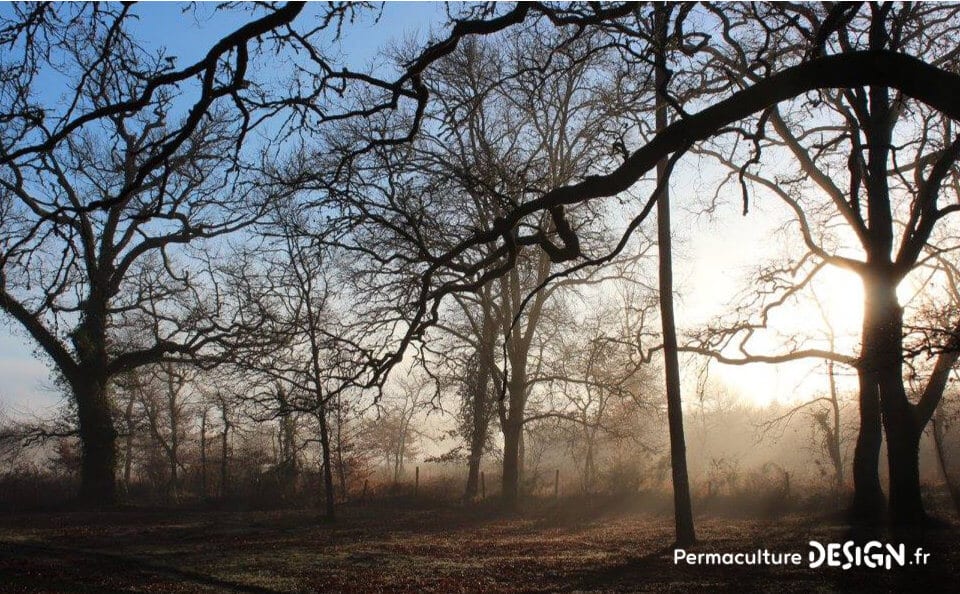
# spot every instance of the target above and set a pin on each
(329, 501)
(341, 470)
(834, 435)
(952, 487)
(511, 463)
(173, 450)
(521, 458)
(203, 454)
(224, 452)
(683, 512)
(288, 448)
(473, 470)
(128, 445)
(481, 398)
(518, 339)
(174, 478)
(588, 469)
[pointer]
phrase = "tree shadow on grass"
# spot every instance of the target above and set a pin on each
(81, 570)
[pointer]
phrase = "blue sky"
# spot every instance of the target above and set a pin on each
(25, 387)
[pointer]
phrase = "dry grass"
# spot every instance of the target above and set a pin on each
(380, 548)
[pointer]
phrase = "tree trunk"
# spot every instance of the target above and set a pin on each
(952, 487)
(478, 437)
(511, 421)
(683, 512)
(327, 468)
(903, 432)
(128, 445)
(521, 458)
(869, 502)
(511, 463)
(883, 367)
(834, 433)
(98, 438)
(173, 450)
(224, 486)
(481, 397)
(903, 448)
(589, 471)
(473, 469)
(341, 471)
(203, 454)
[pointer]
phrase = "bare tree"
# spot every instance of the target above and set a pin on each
(882, 181)
(306, 352)
(606, 389)
(683, 512)
(820, 63)
(392, 433)
(161, 392)
(499, 133)
(108, 181)
(100, 191)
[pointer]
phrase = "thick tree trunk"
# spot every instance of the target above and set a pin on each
(98, 438)
(903, 448)
(900, 422)
(882, 370)
(869, 503)
(512, 425)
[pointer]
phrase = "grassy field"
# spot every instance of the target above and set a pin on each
(405, 548)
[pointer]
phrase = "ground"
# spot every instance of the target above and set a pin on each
(443, 548)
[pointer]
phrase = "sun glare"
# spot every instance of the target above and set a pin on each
(829, 311)
(840, 307)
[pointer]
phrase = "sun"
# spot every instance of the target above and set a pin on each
(826, 314)
(836, 306)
